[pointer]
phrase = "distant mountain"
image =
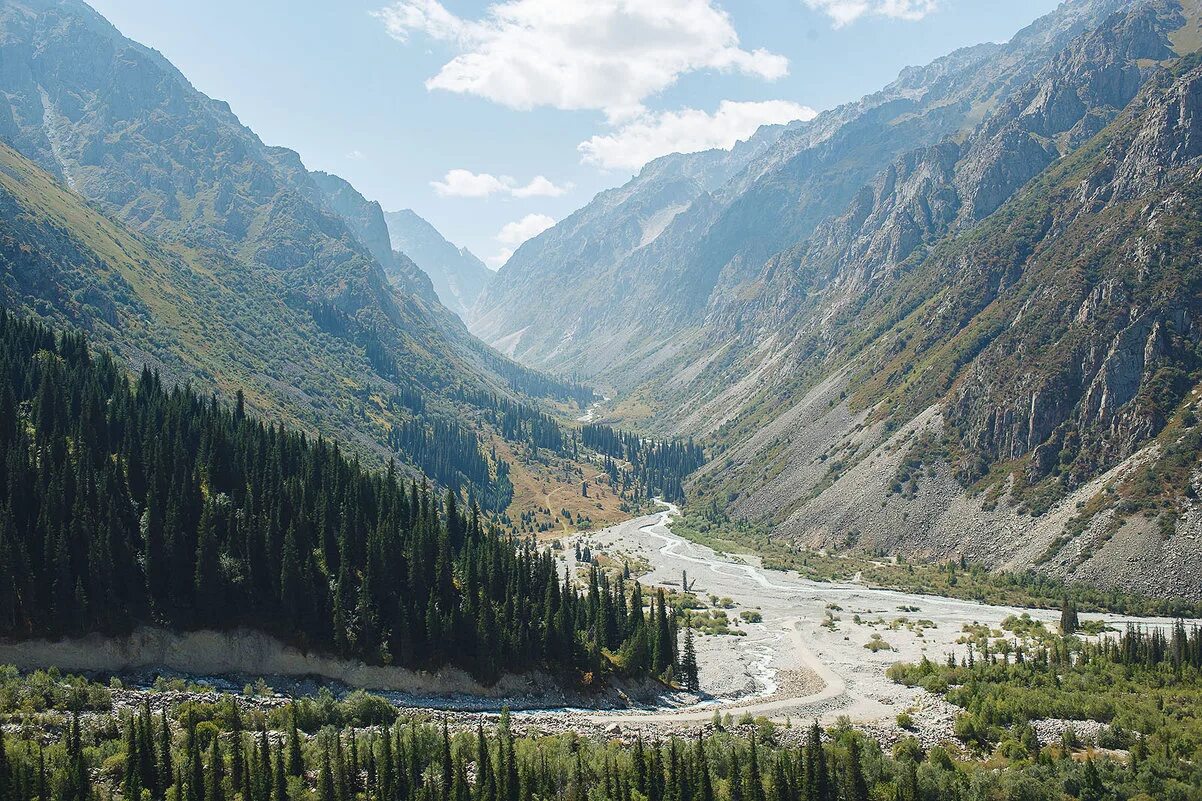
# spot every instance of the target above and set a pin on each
(459, 277)
(366, 220)
(691, 230)
(957, 318)
(144, 212)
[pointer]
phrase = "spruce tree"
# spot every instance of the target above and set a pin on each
(215, 775)
(688, 661)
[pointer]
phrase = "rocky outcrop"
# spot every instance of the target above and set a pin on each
(366, 220)
(1025, 294)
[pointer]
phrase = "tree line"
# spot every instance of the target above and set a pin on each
(125, 502)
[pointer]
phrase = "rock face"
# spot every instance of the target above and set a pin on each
(694, 231)
(366, 220)
(959, 317)
(457, 275)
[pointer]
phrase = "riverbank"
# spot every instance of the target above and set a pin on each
(810, 650)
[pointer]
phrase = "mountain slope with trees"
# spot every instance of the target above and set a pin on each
(126, 503)
(981, 344)
(144, 213)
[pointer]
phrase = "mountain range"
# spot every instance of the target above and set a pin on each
(144, 213)
(954, 319)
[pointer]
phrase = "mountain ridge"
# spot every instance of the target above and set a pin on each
(253, 273)
(870, 385)
(458, 276)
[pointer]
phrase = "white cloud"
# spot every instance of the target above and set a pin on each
(517, 232)
(539, 186)
(686, 131)
(355, 155)
(464, 183)
(580, 54)
(845, 12)
(495, 262)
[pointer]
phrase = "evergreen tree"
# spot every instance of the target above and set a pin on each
(215, 775)
(1068, 617)
(688, 661)
(125, 503)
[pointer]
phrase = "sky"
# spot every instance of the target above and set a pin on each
(493, 120)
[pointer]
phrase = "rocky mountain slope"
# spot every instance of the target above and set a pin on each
(981, 339)
(224, 261)
(458, 276)
(1017, 389)
(693, 229)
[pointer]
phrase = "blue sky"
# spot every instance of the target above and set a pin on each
(474, 114)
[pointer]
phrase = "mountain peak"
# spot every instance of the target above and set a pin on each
(457, 275)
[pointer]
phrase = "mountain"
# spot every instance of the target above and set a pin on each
(146, 214)
(458, 276)
(691, 230)
(955, 319)
(366, 221)
(582, 263)
(268, 530)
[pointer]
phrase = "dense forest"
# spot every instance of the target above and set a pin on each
(124, 502)
(658, 466)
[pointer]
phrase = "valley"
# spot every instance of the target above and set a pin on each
(797, 650)
(836, 452)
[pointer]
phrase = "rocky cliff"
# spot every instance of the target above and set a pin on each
(1019, 389)
(717, 217)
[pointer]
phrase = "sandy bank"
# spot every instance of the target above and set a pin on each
(243, 652)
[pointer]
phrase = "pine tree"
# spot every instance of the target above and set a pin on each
(279, 787)
(817, 778)
(755, 782)
(215, 775)
(325, 782)
(857, 786)
(296, 759)
(1068, 617)
(705, 786)
(688, 661)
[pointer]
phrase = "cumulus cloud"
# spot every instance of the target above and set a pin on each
(686, 131)
(845, 12)
(606, 55)
(465, 183)
(539, 186)
(517, 232)
(497, 261)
